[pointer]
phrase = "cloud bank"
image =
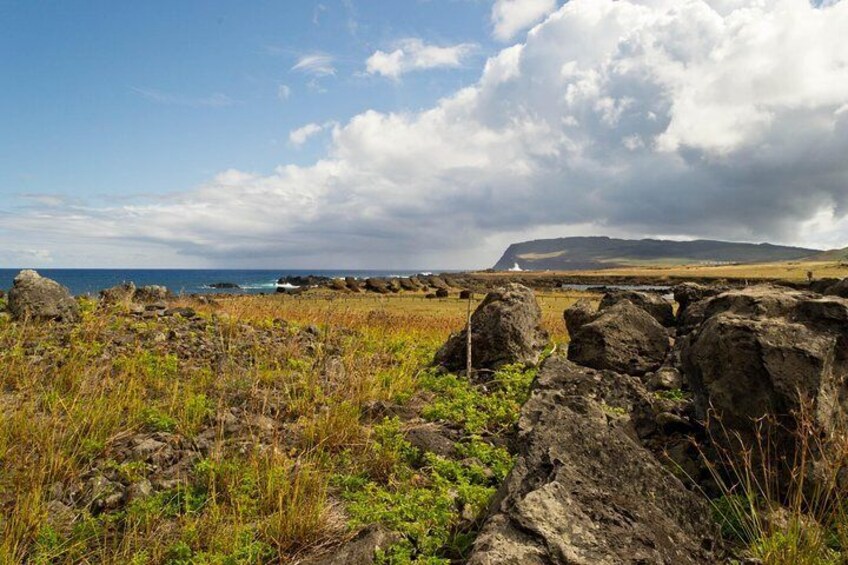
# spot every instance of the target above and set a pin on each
(512, 16)
(719, 118)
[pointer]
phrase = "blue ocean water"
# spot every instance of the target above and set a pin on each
(186, 281)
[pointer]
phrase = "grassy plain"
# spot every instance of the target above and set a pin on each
(260, 429)
(790, 270)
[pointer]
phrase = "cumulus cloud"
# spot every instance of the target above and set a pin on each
(512, 16)
(315, 64)
(715, 118)
(413, 54)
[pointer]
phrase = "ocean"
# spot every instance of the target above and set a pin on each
(186, 281)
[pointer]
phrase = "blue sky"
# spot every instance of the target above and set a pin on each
(106, 100)
(414, 134)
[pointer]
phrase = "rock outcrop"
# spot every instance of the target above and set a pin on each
(583, 490)
(121, 293)
(578, 315)
(38, 298)
(505, 328)
(379, 286)
(151, 293)
(622, 338)
(761, 350)
(652, 303)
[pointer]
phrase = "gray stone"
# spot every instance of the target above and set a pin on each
(583, 491)
(38, 298)
(651, 302)
(118, 294)
(623, 338)
(578, 315)
(505, 328)
(152, 293)
(765, 350)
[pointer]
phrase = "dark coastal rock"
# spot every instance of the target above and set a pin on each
(505, 328)
(225, 286)
(756, 301)
(394, 285)
(688, 293)
(465, 294)
(121, 293)
(442, 293)
(409, 284)
(762, 351)
(304, 280)
(622, 338)
(578, 315)
(338, 284)
(151, 293)
(838, 288)
(583, 491)
(353, 284)
(652, 303)
(38, 298)
(377, 285)
(437, 283)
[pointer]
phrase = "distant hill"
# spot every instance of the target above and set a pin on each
(832, 255)
(584, 253)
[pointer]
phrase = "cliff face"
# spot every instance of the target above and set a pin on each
(583, 253)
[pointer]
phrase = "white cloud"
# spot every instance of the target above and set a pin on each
(315, 64)
(283, 92)
(302, 134)
(512, 16)
(711, 118)
(413, 54)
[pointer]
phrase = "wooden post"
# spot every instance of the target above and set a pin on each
(468, 339)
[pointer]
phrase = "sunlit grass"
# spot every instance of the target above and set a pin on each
(71, 395)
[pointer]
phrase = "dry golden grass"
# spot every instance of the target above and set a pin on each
(70, 395)
(790, 270)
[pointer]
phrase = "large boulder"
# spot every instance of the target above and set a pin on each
(652, 303)
(622, 338)
(151, 293)
(765, 351)
(578, 315)
(35, 297)
(379, 286)
(121, 293)
(505, 328)
(689, 293)
(583, 490)
(838, 288)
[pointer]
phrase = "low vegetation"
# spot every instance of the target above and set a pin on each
(781, 510)
(259, 429)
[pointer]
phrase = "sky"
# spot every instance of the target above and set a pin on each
(356, 134)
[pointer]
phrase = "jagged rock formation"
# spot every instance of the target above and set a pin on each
(760, 350)
(652, 303)
(584, 490)
(38, 298)
(505, 328)
(622, 337)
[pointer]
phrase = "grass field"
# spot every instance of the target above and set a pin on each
(792, 270)
(260, 430)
